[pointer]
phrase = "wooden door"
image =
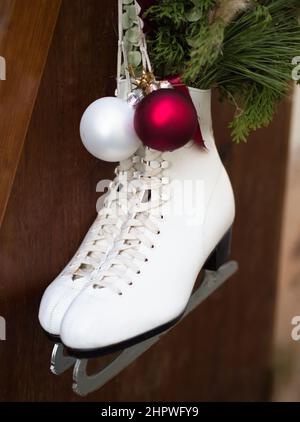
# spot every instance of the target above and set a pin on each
(48, 196)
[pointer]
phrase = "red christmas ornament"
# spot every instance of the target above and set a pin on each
(165, 120)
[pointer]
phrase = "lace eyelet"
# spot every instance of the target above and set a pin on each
(120, 294)
(138, 272)
(152, 246)
(146, 259)
(130, 283)
(162, 217)
(158, 232)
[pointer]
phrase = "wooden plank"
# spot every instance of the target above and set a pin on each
(26, 28)
(221, 351)
(54, 196)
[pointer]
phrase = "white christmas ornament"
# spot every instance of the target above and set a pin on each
(107, 130)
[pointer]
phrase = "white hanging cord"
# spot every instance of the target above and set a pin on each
(122, 51)
(119, 65)
(142, 40)
(127, 75)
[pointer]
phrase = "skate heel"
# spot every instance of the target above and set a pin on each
(220, 254)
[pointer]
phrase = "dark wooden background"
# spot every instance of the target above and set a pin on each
(223, 350)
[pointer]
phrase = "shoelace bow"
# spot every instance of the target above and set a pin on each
(104, 229)
(145, 211)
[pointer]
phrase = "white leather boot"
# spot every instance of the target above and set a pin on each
(186, 207)
(94, 248)
(91, 254)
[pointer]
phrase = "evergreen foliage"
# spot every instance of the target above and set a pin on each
(245, 48)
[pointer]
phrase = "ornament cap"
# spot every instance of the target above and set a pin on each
(135, 97)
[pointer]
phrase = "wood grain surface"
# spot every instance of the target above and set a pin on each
(26, 28)
(221, 351)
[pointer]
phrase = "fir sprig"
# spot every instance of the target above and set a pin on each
(243, 47)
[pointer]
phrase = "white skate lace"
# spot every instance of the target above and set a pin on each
(145, 213)
(102, 233)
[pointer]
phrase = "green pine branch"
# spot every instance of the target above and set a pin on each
(248, 56)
